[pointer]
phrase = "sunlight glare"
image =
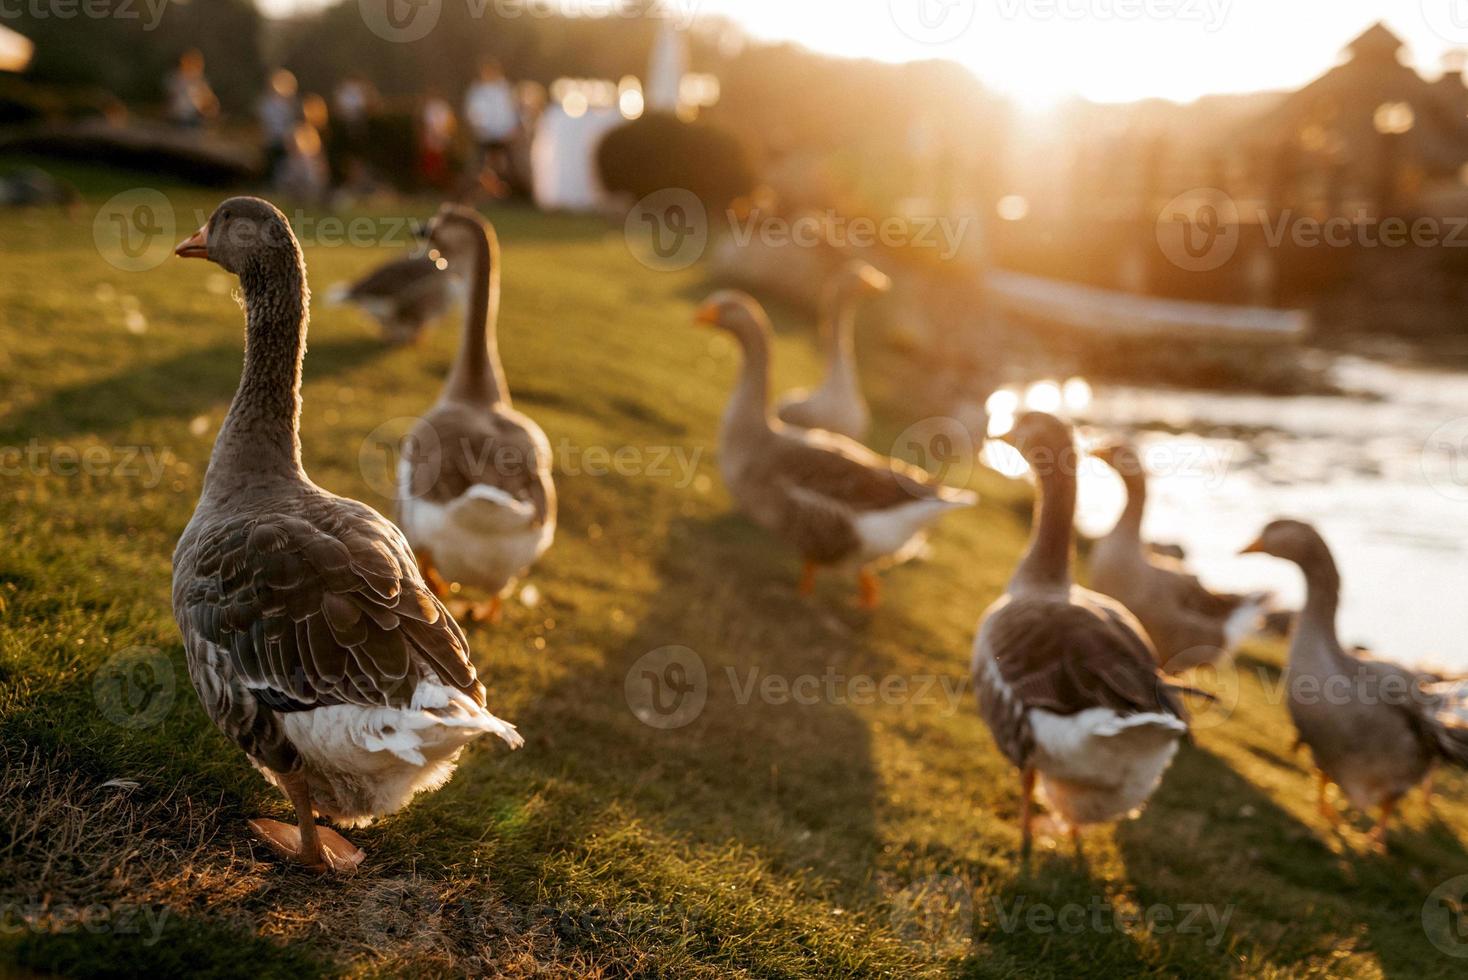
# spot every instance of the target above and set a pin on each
(1043, 396)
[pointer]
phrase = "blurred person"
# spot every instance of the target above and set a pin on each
(352, 102)
(279, 111)
(492, 115)
(191, 102)
(303, 173)
(436, 127)
(352, 105)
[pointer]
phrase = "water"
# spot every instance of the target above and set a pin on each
(1384, 479)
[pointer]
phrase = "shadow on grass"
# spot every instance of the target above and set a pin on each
(1248, 858)
(179, 387)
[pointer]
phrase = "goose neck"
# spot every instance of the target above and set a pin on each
(1047, 562)
(477, 375)
(260, 438)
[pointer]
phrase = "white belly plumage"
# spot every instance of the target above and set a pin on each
(1097, 766)
(484, 538)
(897, 533)
(362, 763)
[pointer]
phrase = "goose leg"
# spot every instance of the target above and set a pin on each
(490, 611)
(1378, 835)
(869, 589)
(318, 848)
(1427, 789)
(1322, 783)
(808, 579)
(435, 581)
(1026, 810)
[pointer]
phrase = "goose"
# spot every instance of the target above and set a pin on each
(837, 405)
(1187, 624)
(403, 295)
(1375, 729)
(310, 637)
(476, 497)
(837, 502)
(1067, 682)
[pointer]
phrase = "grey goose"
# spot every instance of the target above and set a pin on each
(1067, 682)
(1374, 728)
(837, 502)
(837, 404)
(311, 639)
(476, 497)
(1188, 624)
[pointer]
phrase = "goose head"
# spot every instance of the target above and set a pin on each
(1293, 541)
(1122, 457)
(459, 234)
(243, 235)
(1046, 443)
(735, 312)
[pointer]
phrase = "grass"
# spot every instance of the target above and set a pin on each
(839, 834)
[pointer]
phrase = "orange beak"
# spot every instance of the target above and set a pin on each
(707, 314)
(1255, 548)
(196, 246)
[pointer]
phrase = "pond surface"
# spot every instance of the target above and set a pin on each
(1383, 475)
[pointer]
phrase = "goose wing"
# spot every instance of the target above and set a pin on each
(398, 278)
(826, 482)
(1064, 655)
(457, 447)
(314, 604)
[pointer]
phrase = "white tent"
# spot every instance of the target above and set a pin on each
(15, 50)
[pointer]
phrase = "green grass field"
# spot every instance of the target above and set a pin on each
(835, 832)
